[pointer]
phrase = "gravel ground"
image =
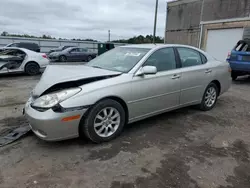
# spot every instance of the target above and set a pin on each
(186, 148)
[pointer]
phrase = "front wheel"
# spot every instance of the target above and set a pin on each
(210, 97)
(62, 58)
(89, 58)
(104, 122)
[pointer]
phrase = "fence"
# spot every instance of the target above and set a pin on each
(47, 44)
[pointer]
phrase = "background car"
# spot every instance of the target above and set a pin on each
(72, 54)
(59, 49)
(26, 45)
(239, 59)
(124, 85)
(13, 60)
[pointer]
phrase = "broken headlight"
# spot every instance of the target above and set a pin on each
(52, 99)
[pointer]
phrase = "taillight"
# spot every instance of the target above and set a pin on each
(229, 55)
(45, 56)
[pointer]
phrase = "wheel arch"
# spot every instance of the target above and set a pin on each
(29, 63)
(117, 99)
(218, 84)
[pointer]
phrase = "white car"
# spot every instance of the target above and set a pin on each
(14, 60)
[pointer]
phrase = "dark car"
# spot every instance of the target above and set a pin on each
(60, 48)
(72, 54)
(27, 45)
(239, 59)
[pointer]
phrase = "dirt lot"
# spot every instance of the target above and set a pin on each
(186, 148)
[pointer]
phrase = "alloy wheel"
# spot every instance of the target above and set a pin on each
(210, 97)
(107, 121)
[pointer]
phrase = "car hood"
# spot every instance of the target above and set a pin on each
(59, 74)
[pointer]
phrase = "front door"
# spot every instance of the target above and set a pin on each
(156, 93)
(196, 75)
(73, 55)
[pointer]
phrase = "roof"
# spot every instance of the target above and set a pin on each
(152, 46)
(23, 49)
(148, 46)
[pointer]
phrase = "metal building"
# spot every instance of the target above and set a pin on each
(213, 25)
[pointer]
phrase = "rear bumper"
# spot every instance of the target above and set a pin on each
(240, 66)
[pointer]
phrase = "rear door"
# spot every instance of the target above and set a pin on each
(195, 75)
(83, 54)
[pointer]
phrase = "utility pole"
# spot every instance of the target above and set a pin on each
(109, 36)
(201, 25)
(156, 9)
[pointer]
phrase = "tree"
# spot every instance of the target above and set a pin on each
(141, 40)
(4, 33)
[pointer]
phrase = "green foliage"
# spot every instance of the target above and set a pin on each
(135, 40)
(141, 40)
(4, 33)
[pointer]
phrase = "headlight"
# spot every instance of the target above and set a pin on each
(50, 100)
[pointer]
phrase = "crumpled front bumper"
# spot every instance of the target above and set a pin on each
(51, 126)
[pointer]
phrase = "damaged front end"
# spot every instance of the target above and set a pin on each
(47, 115)
(10, 62)
(55, 88)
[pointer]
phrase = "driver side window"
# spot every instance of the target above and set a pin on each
(162, 59)
(74, 50)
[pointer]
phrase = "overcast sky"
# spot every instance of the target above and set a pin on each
(82, 18)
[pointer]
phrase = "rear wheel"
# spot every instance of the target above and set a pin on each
(104, 122)
(210, 97)
(32, 68)
(89, 58)
(62, 58)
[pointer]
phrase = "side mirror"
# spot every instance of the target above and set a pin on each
(147, 70)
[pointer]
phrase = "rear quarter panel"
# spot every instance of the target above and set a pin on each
(222, 74)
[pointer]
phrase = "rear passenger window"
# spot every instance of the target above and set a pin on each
(203, 58)
(242, 46)
(189, 57)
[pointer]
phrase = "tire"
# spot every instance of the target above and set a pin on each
(89, 58)
(205, 104)
(63, 58)
(88, 128)
(32, 68)
(234, 76)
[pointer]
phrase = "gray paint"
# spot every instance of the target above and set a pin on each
(145, 95)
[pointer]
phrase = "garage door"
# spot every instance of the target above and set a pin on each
(222, 41)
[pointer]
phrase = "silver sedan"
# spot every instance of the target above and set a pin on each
(124, 85)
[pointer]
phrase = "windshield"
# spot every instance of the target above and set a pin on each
(121, 59)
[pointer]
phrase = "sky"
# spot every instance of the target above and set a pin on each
(82, 18)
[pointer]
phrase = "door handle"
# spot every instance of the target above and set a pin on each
(176, 76)
(208, 71)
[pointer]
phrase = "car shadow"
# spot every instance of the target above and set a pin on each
(242, 80)
(15, 75)
(130, 130)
